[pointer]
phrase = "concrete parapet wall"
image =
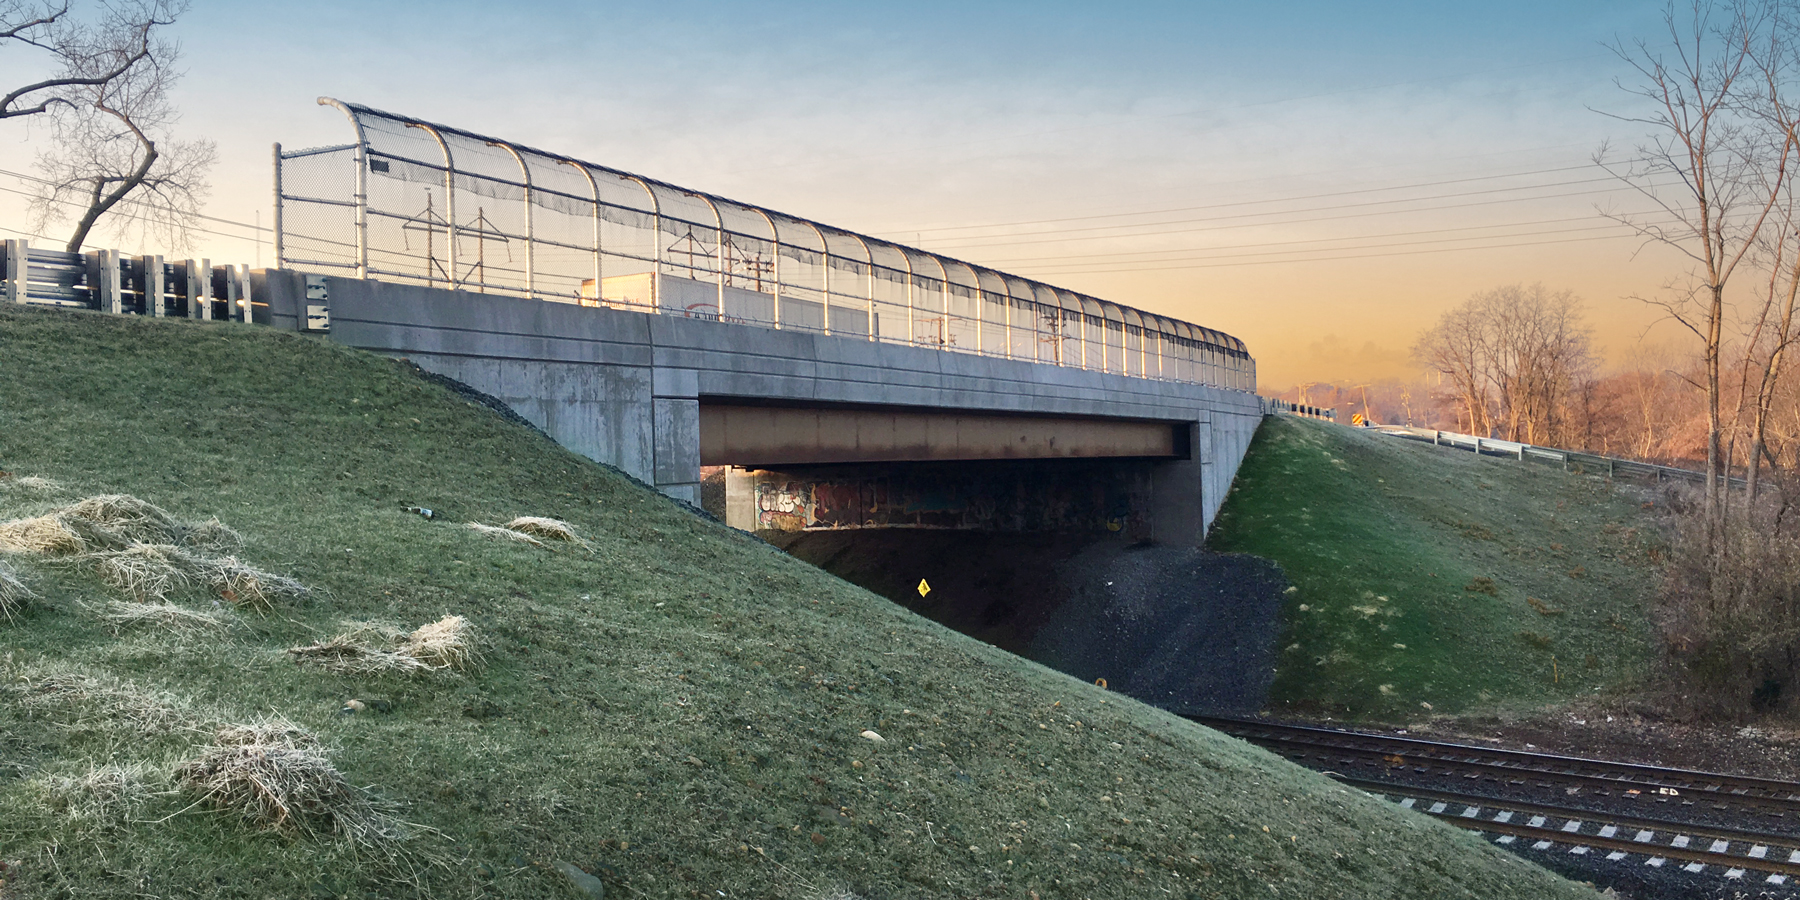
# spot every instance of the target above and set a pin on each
(626, 388)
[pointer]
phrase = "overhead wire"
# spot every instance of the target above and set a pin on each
(1266, 262)
(1121, 254)
(1195, 257)
(1182, 209)
(1156, 265)
(139, 204)
(1006, 239)
(195, 229)
(1359, 215)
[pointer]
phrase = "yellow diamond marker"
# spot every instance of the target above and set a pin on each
(924, 588)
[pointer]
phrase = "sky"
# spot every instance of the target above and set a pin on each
(1320, 180)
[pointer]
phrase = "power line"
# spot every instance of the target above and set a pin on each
(1450, 196)
(29, 234)
(1337, 173)
(135, 201)
(1182, 209)
(1149, 265)
(1267, 262)
(1120, 255)
(72, 204)
(1361, 215)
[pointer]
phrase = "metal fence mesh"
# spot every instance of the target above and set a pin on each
(417, 202)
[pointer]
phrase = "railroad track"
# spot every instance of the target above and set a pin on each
(1662, 827)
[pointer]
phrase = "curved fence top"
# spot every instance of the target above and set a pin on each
(416, 201)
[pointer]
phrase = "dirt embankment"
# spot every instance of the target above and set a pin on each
(1178, 627)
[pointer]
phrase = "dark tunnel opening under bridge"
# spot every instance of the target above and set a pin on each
(1048, 560)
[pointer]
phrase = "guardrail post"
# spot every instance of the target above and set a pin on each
(237, 292)
(111, 299)
(153, 285)
(194, 286)
(18, 265)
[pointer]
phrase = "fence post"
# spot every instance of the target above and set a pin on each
(18, 264)
(153, 285)
(229, 274)
(240, 286)
(275, 232)
(111, 300)
(190, 287)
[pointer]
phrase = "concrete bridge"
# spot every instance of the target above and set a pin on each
(837, 380)
(818, 430)
(661, 396)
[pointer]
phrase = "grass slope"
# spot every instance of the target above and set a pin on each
(1433, 580)
(677, 712)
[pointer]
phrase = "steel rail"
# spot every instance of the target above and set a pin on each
(1703, 855)
(1708, 785)
(1787, 843)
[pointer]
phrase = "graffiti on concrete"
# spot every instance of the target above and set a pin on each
(1012, 497)
(784, 506)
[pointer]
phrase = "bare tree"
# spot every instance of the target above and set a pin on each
(1660, 400)
(76, 55)
(1455, 348)
(1709, 167)
(1517, 357)
(107, 95)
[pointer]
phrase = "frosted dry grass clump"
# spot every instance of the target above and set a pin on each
(147, 572)
(245, 584)
(166, 616)
(545, 528)
(13, 592)
(101, 799)
(30, 484)
(212, 536)
(46, 535)
(537, 531)
(134, 520)
(86, 702)
(111, 522)
(350, 654)
(505, 533)
(448, 643)
(276, 776)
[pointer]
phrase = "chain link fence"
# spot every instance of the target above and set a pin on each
(417, 202)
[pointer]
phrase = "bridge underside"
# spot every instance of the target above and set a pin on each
(793, 467)
(1089, 496)
(763, 435)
